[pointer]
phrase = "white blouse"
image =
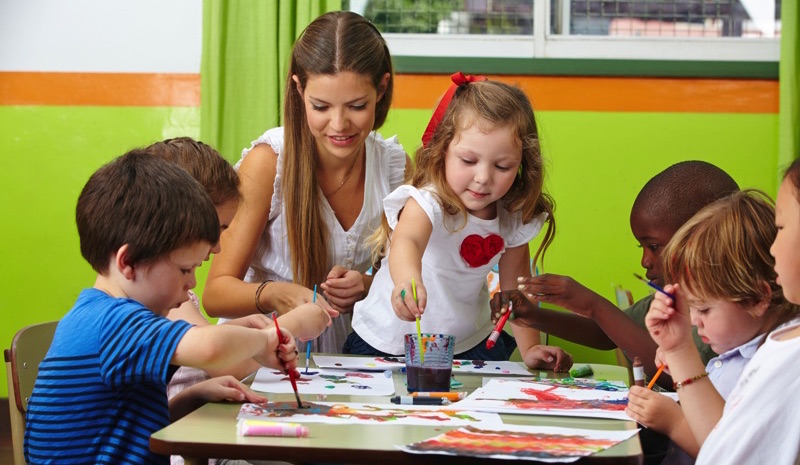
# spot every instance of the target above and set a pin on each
(385, 166)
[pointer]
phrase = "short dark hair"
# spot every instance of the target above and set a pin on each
(151, 204)
(683, 189)
(204, 163)
(793, 174)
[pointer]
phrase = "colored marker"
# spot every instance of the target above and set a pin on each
(451, 396)
(410, 400)
(638, 372)
(292, 374)
(250, 427)
(655, 377)
(498, 328)
(654, 286)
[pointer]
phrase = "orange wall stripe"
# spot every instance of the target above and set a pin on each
(417, 91)
(101, 89)
(567, 93)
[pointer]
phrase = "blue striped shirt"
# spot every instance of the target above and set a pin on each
(101, 389)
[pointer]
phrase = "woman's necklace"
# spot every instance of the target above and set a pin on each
(346, 177)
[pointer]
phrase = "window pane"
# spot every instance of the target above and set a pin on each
(667, 18)
(497, 17)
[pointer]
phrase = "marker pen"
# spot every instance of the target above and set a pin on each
(409, 400)
(451, 396)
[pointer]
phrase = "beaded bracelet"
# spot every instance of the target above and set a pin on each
(258, 297)
(694, 378)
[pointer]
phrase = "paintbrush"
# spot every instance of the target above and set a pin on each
(654, 286)
(419, 328)
(308, 344)
(293, 373)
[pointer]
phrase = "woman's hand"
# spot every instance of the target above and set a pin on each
(343, 288)
(283, 297)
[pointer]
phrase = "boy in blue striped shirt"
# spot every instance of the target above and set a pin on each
(145, 225)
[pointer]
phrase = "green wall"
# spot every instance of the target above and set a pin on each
(597, 162)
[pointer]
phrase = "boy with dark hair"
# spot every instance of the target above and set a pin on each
(665, 202)
(145, 225)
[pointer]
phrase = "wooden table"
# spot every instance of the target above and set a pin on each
(210, 431)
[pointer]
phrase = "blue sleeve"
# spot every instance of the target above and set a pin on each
(137, 345)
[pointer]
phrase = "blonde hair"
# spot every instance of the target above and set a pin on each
(333, 43)
(500, 105)
(722, 253)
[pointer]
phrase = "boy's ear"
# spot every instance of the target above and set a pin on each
(297, 85)
(123, 263)
(762, 306)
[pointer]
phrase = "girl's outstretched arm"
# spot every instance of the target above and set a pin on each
(515, 262)
(408, 242)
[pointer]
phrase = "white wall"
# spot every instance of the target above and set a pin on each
(146, 36)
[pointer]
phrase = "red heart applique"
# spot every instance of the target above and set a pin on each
(478, 251)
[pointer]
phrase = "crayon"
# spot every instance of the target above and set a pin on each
(581, 371)
(409, 400)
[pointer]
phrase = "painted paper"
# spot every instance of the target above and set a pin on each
(489, 368)
(535, 398)
(540, 443)
(481, 367)
(366, 414)
(320, 381)
(359, 363)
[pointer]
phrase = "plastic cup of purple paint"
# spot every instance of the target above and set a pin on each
(432, 375)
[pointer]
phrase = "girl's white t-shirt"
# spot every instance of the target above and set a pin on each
(458, 296)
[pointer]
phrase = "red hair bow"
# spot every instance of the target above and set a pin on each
(458, 78)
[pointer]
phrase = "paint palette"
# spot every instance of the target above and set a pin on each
(325, 381)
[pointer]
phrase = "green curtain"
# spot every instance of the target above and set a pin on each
(789, 124)
(246, 46)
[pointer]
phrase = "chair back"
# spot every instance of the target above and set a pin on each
(28, 348)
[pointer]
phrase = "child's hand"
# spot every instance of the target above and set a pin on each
(211, 390)
(257, 321)
(562, 291)
(224, 388)
(653, 410)
(343, 288)
(547, 358)
(403, 300)
(279, 354)
(523, 311)
(311, 321)
(670, 327)
(661, 359)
